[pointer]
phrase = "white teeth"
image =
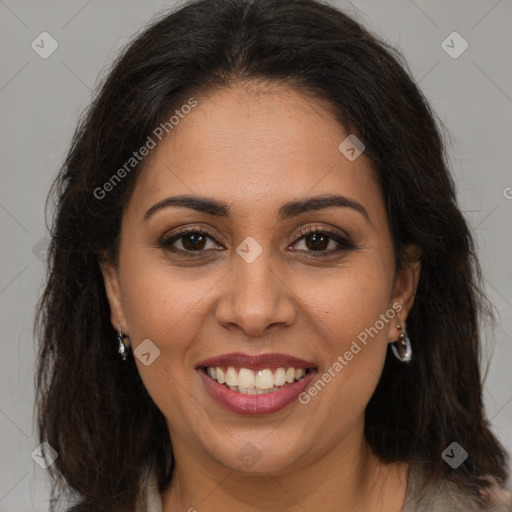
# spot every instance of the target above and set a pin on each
(251, 382)
(246, 379)
(280, 377)
(299, 373)
(247, 391)
(264, 379)
(231, 377)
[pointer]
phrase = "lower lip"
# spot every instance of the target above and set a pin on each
(255, 404)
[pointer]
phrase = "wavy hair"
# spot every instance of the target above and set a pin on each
(93, 408)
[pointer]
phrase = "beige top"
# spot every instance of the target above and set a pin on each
(441, 497)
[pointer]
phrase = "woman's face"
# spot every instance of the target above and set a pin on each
(250, 283)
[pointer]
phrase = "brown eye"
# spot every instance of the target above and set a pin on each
(190, 240)
(319, 241)
(193, 242)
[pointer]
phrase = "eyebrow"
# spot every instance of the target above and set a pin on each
(288, 210)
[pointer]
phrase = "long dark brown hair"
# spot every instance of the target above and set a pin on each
(93, 408)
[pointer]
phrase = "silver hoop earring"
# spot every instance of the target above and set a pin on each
(122, 349)
(402, 347)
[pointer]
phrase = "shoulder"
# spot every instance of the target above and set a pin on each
(499, 497)
(149, 499)
(445, 495)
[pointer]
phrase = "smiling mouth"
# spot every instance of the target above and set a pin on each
(255, 382)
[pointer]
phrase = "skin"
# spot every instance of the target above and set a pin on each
(256, 148)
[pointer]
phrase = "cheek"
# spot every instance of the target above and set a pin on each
(355, 315)
(167, 306)
(161, 305)
(352, 300)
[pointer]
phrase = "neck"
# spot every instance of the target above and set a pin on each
(347, 478)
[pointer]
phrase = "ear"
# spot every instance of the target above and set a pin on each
(406, 284)
(113, 291)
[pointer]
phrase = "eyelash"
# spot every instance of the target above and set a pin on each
(344, 243)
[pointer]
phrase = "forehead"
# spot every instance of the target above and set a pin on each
(254, 149)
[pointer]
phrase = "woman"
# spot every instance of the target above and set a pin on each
(262, 293)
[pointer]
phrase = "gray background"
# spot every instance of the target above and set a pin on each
(40, 100)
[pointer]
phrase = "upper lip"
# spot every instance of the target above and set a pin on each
(256, 362)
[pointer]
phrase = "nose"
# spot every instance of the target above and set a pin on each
(256, 298)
